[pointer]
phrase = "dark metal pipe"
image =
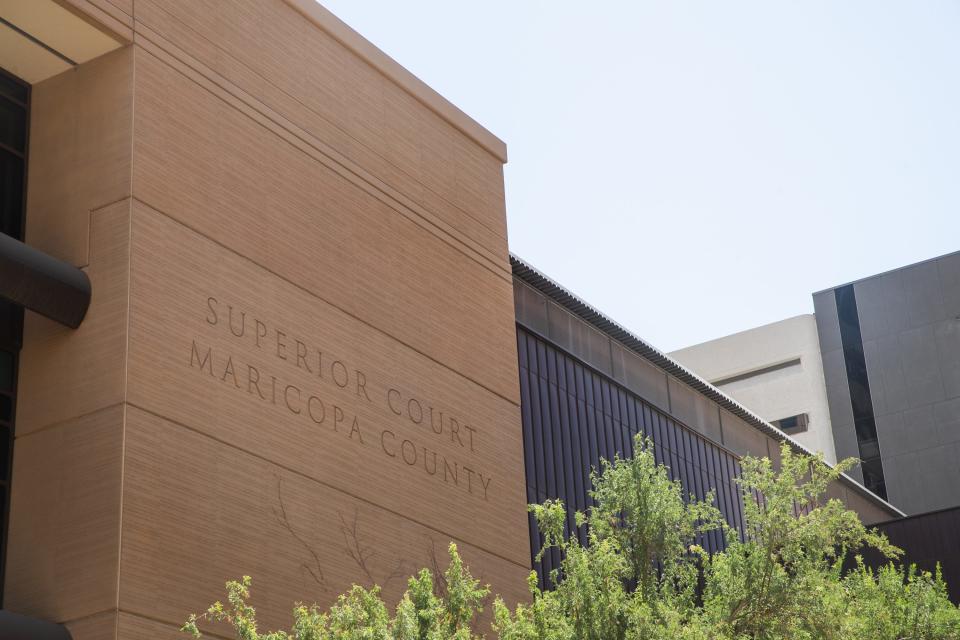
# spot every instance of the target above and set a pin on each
(42, 283)
(14, 626)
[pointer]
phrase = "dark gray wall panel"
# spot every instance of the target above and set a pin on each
(923, 300)
(947, 336)
(949, 269)
(828, 327)
(886, 372)
(910, 326)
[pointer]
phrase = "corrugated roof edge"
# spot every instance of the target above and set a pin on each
(575, 305)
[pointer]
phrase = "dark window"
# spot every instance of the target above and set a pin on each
(865, 425)
(14, 128)
(793, 424)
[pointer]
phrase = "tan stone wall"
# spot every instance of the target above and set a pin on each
(299, 361)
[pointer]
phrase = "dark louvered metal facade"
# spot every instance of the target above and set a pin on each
(574, 416)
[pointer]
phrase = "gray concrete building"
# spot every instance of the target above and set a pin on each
(890, 346)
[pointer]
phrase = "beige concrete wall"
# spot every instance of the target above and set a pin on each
(779, 394)
(299, 362)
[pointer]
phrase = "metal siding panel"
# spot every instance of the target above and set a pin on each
(551, 367)
(591, 422)
(532, 346)
(586, 453)
(724, 480)
(569, 412)
(522, 348)
(633, 414)
(927, 539)
(547, 439)
(739, 501)
(579, 387)
(675, 469)
(556, 433)
(605, 395)
(614, 437)
(535, 547)
(597, 391)
(627, 441)
(563, 365)
(566, 450)
(621, 407)
(536, 430)
(605, 435)
(573, 417)
(541, 358)
(672, 436)
(528, 447)
(647, 421)
(661, 453)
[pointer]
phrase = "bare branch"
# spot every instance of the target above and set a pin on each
(315, 569)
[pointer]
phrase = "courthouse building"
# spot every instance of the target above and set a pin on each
(272, 328)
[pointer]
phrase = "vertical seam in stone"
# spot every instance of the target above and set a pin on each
(126, 350)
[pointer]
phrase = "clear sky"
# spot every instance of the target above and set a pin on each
(696, 168)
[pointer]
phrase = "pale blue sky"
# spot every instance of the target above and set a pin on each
(696, 168)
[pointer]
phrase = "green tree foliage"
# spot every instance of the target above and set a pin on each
(643, 576)
(361, 614)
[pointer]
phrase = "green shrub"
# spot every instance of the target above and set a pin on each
(642, 575)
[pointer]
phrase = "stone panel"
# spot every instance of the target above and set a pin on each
(926, 480)
(80, 128)
(102, 626)
(923, 300)
(254, 361)
(64, 372)
(885, 311)
(838, 393)
(901, 482)
(198, 512)
(887, 375)
(828, 327)
(948, 351)
(64, 537)
(921, 370)
(250, 190)
(947, 418)
(907, 431)
(872, 308)
(949, 267)
(321, 87)
(845, 440)
(133, 627)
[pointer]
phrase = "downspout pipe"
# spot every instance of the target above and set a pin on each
(39, 282)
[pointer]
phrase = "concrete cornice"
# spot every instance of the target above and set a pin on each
(339, 30)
